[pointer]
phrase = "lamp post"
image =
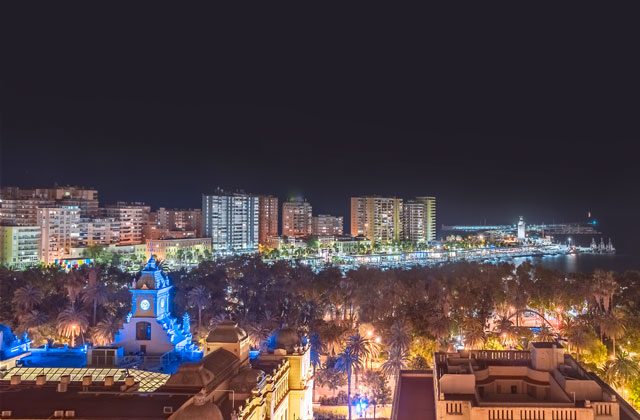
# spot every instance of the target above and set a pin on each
(73, 335)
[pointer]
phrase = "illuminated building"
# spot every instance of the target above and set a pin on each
(20, 246)
(268, 215)
(414, 226)
(133, 217)
(225, 384)
(60, 231)
(178, 252)
(522, 234)
(296, 218)
(20, 204)
(180, 220)
(326, 225)
(542, 383)
(231, 221)
(151, 330)
(12, 348)
(99, 232)
(377, 218)
(430, 217)
(22, 212)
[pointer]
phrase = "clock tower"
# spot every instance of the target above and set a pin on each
(151, 330)
(150, 293)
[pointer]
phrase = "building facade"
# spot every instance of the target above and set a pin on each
(179, 252)
(231, 221)
(150, 329)
(133, 218)
(379, 219)
(20, 246)
(430, 217)
(296, 218)
(414, 227)
(180, 220)
(99, 232)
(23, 202)
(541, 383)
(326, 225)
(268, 215)
(60, 232)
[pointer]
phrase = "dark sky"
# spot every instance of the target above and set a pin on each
(496, 112)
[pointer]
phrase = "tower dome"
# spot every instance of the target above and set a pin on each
(226, 332)
(201, 408)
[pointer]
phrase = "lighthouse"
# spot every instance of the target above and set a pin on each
(521, 229)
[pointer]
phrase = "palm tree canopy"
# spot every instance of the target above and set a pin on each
(27, 297)
(199, 297)
(72, 321)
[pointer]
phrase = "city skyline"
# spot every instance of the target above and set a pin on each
(510, 137)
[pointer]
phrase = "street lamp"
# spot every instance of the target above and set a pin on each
(73, 335)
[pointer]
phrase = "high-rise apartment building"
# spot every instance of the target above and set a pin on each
(180, 219)
(414, 221)
(22, 212)
(268, 215)
(18, 206)
(133, 217)
(231, 221)
(377, 218)
(60, 231)
(99, 232)
(326, 225)
(296, 218)
(430, 216)
(19, 246)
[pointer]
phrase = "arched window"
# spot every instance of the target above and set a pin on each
(143, 330)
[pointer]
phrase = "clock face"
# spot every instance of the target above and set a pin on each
(144, 304)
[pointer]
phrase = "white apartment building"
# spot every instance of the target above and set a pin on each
(133, 217)
(326, 225)
(60, 231)
(231, 221)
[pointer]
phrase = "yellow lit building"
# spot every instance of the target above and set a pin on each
(542, 383)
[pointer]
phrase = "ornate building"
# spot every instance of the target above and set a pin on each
(151, 331)
(277, 384)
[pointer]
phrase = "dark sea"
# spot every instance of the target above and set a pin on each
(585, 263)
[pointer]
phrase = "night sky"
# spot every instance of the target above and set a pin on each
(534, 115)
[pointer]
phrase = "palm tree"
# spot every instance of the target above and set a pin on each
(104, 332)
(347, 362)
(398, 338)
(397, 361)
(199, 297)
(27, 297)
(96, 293)
(474, 335)
(72, 322)
(579, 337)
(612, 326)
(603, 287)
(316, 349)
(33, 319)
(622, 370)
(361, 348)
(440, 327)
(73, 282)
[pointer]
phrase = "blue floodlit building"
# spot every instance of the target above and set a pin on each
(12, 348)
(151, 336)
